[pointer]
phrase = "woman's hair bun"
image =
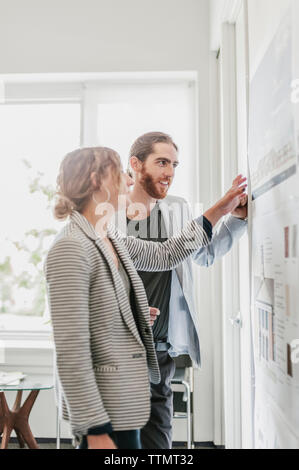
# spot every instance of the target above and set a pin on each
(63, 207)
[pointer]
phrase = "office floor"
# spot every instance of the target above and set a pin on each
(52, 445)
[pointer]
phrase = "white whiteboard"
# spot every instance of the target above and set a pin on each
(273, 162)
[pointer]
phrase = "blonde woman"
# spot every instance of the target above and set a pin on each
(105, 357)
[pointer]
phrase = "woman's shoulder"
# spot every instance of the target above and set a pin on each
(67, 256)
(70, 241)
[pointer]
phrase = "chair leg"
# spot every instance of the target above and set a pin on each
(58, 428)
(189, 424)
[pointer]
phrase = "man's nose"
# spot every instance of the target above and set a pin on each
(169, 172)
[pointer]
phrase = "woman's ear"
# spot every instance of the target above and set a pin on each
(93, 179)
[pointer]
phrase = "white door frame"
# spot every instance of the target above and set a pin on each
(247, 372)
(216, 270)
(230, 298)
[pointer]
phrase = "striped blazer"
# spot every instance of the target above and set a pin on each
(104, 356)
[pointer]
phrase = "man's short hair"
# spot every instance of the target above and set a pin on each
(144, 145)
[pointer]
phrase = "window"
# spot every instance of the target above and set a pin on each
(42, 121)
(118, 114)
(33, 140)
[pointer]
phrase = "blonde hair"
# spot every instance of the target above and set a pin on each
(74, 186)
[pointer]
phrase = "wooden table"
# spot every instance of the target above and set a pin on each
(17, 418)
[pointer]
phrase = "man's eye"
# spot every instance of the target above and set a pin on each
(162, 163)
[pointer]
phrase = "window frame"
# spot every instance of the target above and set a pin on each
(70, 89)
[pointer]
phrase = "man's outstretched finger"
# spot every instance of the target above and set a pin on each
(240, 190)
(236, 180)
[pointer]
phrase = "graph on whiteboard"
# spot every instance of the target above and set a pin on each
(273, 161)
(276, 310)
(272, 140)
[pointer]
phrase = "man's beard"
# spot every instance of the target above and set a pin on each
(149, 186)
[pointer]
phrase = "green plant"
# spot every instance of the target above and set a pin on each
(33, 248)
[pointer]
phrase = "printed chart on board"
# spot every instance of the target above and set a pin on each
(276, 311)
(273, 162)
(295, 81)
(272, 151)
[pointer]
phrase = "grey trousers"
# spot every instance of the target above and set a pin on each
(157, 433)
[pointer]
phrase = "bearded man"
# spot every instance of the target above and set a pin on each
(153, 215)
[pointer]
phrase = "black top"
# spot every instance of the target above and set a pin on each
(156, 284)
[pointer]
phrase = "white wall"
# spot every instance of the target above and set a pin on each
(220, 12)
(217, 8)
(264, 17)
(56, 36)
(102, 35)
